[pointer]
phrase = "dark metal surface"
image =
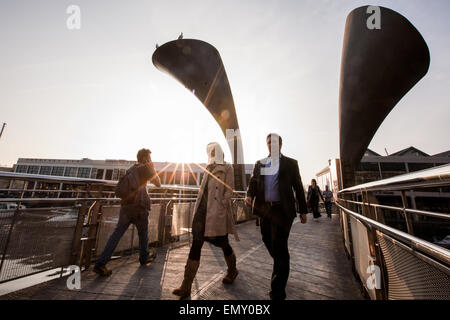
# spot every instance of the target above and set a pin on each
(197, 65)
(378, 68)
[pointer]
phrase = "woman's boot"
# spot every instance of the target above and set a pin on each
(232, 271)
(190, 270)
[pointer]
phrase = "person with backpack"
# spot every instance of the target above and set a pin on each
(213, 218)
(313, 199)
(135, 207)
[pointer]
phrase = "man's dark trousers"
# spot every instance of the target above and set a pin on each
(128, 214)
(275, 229)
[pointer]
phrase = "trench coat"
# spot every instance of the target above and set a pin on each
(219, 215)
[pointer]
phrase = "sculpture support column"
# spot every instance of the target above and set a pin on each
(198, 66)
(378, 67)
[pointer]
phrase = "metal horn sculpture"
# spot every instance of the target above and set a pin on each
(378, 68)
(198, 66)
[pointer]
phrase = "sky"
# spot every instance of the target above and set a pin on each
(94, 93)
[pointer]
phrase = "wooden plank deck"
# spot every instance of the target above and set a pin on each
(320, 270)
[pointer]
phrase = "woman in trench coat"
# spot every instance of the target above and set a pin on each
(213, 218)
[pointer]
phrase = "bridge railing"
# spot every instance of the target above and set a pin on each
(395, 249)
(40, 234)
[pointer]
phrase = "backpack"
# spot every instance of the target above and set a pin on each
(128, 185)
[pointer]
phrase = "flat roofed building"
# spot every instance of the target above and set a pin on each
(4, 183)
(109, 169)
(374, 166)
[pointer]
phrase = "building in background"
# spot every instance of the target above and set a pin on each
(3, 182)
(170, 173)
(374, 166)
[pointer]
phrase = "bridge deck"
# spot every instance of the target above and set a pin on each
(319, 270)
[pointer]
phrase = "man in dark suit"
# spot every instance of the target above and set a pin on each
(270, 192)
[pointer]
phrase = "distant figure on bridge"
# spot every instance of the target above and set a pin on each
(328, 196)
(134, 209)
(213, 218)
(270, 192)
(313, 199)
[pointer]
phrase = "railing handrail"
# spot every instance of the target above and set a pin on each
(44, 200)
(415, 243)
(433, 177)
(40, 200)
(76, 191)
(76, 180)
(415, 211)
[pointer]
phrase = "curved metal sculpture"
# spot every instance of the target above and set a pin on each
(198, 66)
(378, 68)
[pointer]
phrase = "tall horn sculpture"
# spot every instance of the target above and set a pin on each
(198, 66)
(378, 68)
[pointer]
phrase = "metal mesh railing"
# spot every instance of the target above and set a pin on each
(41, 239)
(57, 232)
(411, 275)
(393, 238)
(110, 217)
(240, 211)
(182, 217)
(361, 253)
(411, 268)
(35, 240)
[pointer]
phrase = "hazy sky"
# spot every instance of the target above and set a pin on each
(94, 92)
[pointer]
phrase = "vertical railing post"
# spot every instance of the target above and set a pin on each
(377, 258)
(163, 222)
(189, 226)
(409, 224)
(59, 190)
(92, 232)
(34, 189)
(76, 243)
(167, 227)
(364, 206)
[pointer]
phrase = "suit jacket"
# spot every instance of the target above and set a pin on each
(289, 183)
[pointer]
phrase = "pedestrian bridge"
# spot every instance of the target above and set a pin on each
(368, 250)
(319, 270)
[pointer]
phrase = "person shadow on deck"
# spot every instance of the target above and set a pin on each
(275, 190)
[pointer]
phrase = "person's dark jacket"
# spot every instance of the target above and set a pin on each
(144, 173)
(313, 194)
(289, 182)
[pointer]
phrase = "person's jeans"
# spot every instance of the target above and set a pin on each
(328, 208)
(128, 215)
